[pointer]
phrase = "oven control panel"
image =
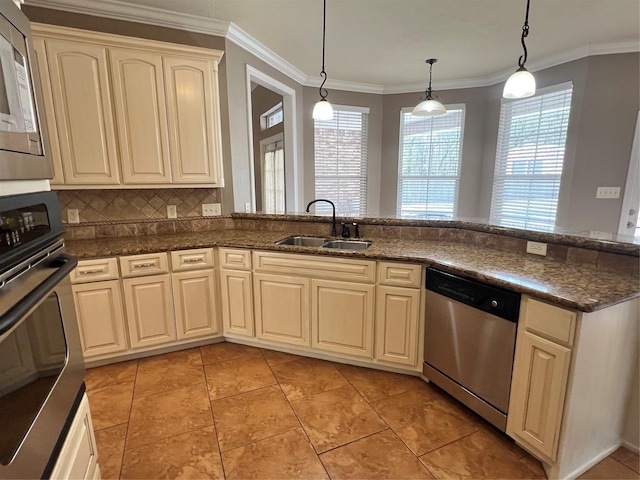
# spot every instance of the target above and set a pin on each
(20, 226)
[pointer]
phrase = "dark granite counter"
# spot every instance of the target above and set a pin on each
(579, 287)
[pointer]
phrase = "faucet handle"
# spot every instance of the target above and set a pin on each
(345, 230)
(356, 230)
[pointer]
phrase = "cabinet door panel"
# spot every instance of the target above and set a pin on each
(237, 302)
(342, 317)
(82, 102)
(194, 294)
(537, 393)
(100, 317)
(149, 306)
(138, 91)
(397, 320)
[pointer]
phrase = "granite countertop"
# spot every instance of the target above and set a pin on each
(572, 286)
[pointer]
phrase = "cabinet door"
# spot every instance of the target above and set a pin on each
(282, 308)
(138, 92)
(149, 307)
(82, 104)
(100, 317)
(537, 393)
(342, 317)
(194, 296)
(397, 320)
(236, 301)
(194, 125)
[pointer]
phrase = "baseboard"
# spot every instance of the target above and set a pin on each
(580, 470)
(630, 446)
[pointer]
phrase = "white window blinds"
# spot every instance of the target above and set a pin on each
(273, 178)
(340, 153)
(530, 155)
(429, 164)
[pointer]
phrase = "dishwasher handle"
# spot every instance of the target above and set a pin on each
(487, 298)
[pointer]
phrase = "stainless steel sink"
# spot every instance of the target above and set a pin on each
(303, 241)
(322, 242)
(347, 244)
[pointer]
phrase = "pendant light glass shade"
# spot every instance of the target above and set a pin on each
(429, 108)
(322, 111)
(520, 85)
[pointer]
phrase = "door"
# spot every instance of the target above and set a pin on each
(194, 295)
(397, 320)
(237, 302)
(631, 201)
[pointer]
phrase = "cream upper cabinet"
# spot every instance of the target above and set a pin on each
(82, 117)
(129, 112)
(138, 91)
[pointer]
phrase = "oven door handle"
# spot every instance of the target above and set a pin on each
(64, 264)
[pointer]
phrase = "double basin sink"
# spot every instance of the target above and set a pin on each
(322, 242)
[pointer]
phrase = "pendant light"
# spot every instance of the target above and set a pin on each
(429, 107)
(521, 84)
(323, 109)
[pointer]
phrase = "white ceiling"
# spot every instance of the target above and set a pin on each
(383, 43)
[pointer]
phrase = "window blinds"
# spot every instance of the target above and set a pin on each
(273, 179)
(340, 153)
(429, 164)
(529, 159)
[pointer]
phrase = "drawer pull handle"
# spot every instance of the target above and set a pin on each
(89, 272)
(193, 260)
(144, 265)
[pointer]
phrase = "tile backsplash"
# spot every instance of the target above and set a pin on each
(142, 204)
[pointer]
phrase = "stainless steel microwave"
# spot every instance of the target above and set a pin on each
(23, 140)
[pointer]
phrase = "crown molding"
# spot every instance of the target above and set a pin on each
(345, 85)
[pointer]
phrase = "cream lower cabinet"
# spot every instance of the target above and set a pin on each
(236, 292)
(282, 308)
(397, 323)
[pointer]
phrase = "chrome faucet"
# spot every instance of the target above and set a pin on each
(333, 224)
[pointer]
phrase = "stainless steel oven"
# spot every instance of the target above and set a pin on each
(41, 365)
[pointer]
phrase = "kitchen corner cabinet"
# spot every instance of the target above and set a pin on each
(128, 112)
(236, 292)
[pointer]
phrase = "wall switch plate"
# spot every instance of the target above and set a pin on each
(247, 207)
(73, 215)
(608, 192)
(172, 212)
(537, 248)
(211, 209)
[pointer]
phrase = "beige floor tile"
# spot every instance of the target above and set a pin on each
(336, 417)
(380, 456)
(252, 416)
(237, 376)
(110, 445)
(609, 469)
(189, 455)
(506, 442)
(111, 405)
(273, 357)
(108, 375)
(220, 352)
(476, 456)
(306, 377)
(425, 418)
(375, 385)
(627, 458)
(168, 372)
(167, 414)
(287, 455)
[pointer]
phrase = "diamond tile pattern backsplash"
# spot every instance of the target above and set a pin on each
(143, 204)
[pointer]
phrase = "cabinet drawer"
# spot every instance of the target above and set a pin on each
(315, 266)
(554, 322)
(147, 264)
(95, 270)
(399, 274)
(191, 259)
(235, 259)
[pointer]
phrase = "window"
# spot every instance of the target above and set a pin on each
(271, 117)
(340, 154)
(531, 140)
(429, 164)
(273, 196)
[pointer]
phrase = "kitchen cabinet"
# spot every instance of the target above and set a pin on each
(236, 292)
(99, 307)
(128, 112)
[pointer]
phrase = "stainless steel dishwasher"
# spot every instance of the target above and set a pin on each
(470, 334)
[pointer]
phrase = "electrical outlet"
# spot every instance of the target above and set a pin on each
(247, 207)
(608, 192)
(172, 212)
(73, 215)
(537, 248)
(211, 210)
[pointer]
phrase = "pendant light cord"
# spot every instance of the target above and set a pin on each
(525, 33)
(427, 93)
(323, 74)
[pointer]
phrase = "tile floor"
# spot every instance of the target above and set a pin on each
(233, 411)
